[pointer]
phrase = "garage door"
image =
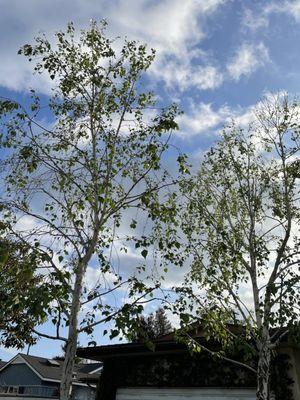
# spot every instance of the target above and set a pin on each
(184, 393)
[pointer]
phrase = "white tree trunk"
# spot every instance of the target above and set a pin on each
(71, 346)
(263, 371)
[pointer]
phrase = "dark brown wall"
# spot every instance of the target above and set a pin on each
(168, 371)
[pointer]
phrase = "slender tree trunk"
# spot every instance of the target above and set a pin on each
(71, 347)
(263, 370)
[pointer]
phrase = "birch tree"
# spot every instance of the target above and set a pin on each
(78, 178)
(242, 226)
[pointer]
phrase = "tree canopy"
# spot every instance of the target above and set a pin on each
(151, 327)
(88, 179)
(25, 293)
(241, 224)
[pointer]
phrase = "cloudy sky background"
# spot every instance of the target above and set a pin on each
(215, 58)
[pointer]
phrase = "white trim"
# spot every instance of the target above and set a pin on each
(11, 361)
(96, 370)
(18, 360)
(8, 362)
(144, 393)
(79, 384)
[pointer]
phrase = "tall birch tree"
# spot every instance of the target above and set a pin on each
(78, 178)
(241, 221)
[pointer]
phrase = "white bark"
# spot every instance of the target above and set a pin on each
(71, 347)
(264, 367)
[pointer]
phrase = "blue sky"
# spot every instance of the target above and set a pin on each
(216, 58)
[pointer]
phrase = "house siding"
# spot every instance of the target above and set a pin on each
(171, 371)
(10, 397)
(187, 371)
(185, 393)
(294, 368)
(19, 375)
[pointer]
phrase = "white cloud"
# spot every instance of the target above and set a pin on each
(207, 77)
(204, 119)
(173, 27)
(247, 59)
(167, 25)
(26, 223)
(261, 18)
(201, 119)
(291, 8)
(253, 21)
(16, 74)
(178, 64)
(94, 276)
(182, 76)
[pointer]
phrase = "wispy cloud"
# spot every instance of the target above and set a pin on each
(291, 7)
(184, 75)
(201, 118)
(253, 21)
(205, 119)
(173, 27)
(260, 17)
(247, 59)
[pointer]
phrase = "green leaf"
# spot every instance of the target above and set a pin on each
(144, 253)
(114, 333)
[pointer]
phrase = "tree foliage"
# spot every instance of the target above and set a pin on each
(25, 293)
(88, 179)
(151, 327)
(241, 223)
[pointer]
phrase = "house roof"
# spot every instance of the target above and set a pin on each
(51, 370)
(93, 368)
(164, 345)
(127, 349)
